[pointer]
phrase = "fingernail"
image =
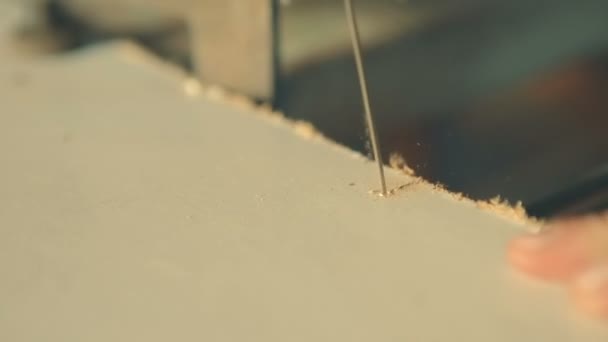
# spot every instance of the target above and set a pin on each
(532, 242)
(594, 279)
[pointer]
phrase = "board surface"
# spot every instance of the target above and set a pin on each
(130, 211)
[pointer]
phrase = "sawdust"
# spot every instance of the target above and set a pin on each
(496, 206)
(135, 54)
(306, 130)
(503, 208)
(193, 88)
(396, 161)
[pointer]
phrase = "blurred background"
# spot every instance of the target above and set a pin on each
(487, 97)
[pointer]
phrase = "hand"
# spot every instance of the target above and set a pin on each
(572, 252)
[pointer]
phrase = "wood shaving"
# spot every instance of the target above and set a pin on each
(503, 208)
(396, 161)
(306, 130)
(497, 206)
(192, 87)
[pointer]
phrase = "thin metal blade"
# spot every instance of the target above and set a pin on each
(356, 41)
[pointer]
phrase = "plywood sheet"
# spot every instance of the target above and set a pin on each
(130, 211)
